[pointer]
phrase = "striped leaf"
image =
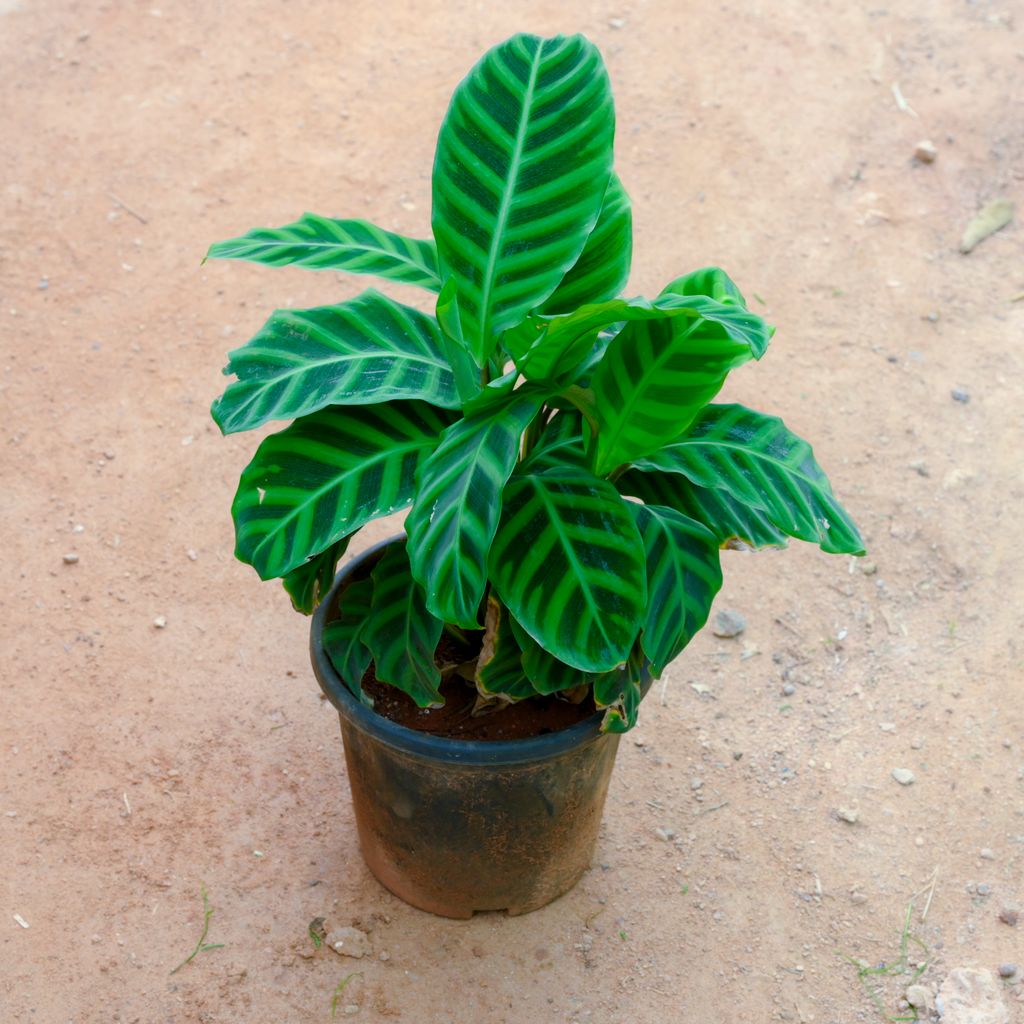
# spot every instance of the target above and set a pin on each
(458, 503)
(325, 476)
(544, 671)
(560, 442)
(620, 693)
(343, 637)
(449, 322)
(758, 461)
(401, 633)
(499, 669)
(321, 243)
(602, 270)
(567, 561)
(523, 161)
(713, 282)
(308, 584)
(683, 576)
(729, 520)
(654, 379)
(368, 350)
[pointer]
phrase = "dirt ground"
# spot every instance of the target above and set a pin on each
(139, 764)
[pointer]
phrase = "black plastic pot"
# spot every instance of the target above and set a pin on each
(456, 826)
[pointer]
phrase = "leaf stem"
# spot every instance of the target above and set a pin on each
(201, 946)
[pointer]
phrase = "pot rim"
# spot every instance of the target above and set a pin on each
(411, 741)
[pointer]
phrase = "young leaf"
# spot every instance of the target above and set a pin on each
(499, 669)
(308, 584)
(710, 281)
(544, 671)
(683, 576)
(523, 161)
(400, 632)
(343, 636)
(728, 519)
(368, 350)
(458, 503)
(602, 270)
(761, 463)
(325, 476)
(567, 561)
(449, 321)
(653, 380)
(321, 243)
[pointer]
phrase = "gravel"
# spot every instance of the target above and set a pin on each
(349, 942)
(1008, 970)
(728, 624)
(70, 558)
(904, 776)
(960, 395)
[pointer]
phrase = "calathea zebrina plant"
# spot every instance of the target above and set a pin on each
(569, 480)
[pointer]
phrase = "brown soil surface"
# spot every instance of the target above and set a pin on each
(139, 763)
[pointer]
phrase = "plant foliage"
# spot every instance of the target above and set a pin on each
(570, 478)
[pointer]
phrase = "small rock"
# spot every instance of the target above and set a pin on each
(887, 726)
(1009, 915)
(916, 743)
(920, 997)
(191, 554)
(639, 741)
(349, 942)
(904, 776)
(728, 624)
(616, 23)
(1008, 970)
(70, 558)
(925, 152)
(351, 1010)
(848, 814)
(960, 395)
(788, 690)
(665, 834)
(868, 568)
(971, 996)
(858, 898)
(385, 956)
(696, 784)
(160, 622)
(986, 854)
(984, 889)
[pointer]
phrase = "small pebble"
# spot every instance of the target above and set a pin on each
(70, 558)
(616, 23)
(904, 776)
(385, 956)
(916, 743)
(960, 395)
(351, 1010)
(887, 726)
(665, 834)
(349, 942)
(696, 784)
(160, 622)
(1009, 915)
(728, 624)
(925, 152)
(848, 814)
(919, 996)
(191, 554)
(986, 854)
(1008, 970)
(788, 690)
(984, 889)
(868, 568)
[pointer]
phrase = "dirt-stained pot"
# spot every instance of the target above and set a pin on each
(455, 826)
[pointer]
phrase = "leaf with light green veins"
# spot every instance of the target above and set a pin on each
(619, 693)
(308, 584)
(761, 463)
(683, 576)
(713, 282)
(567, 561)
(401, 633)
(654, 379)
(327, 475)
(545, 672)
(499, 669)
(343, 637)
(458, 503)
(729, 520)
(602, 270)
(523, 161)
(368, 350)
(321, 243)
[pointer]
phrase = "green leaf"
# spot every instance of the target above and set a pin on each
(654, 379)
(466, 372)
(499, 669)
(728, 519)
(761, 463)
(458, 502)
(544, 671)
(368, 350)
(309, 583)
(710, 281)
(325, 476)
(620, 694)
(401, 633)
(568, 563)
(523, 161)
(560, 443)
(321, 243)
(343, 637)
(683, 576)
(602, 270)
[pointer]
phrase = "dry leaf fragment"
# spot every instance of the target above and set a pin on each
(992, 216)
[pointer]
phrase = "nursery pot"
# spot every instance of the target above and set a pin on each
(455, 826)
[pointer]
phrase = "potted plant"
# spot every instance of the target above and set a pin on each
(569, 480)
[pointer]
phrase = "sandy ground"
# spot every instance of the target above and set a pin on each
(138, 764)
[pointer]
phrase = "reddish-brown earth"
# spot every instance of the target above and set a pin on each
(139, 763)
